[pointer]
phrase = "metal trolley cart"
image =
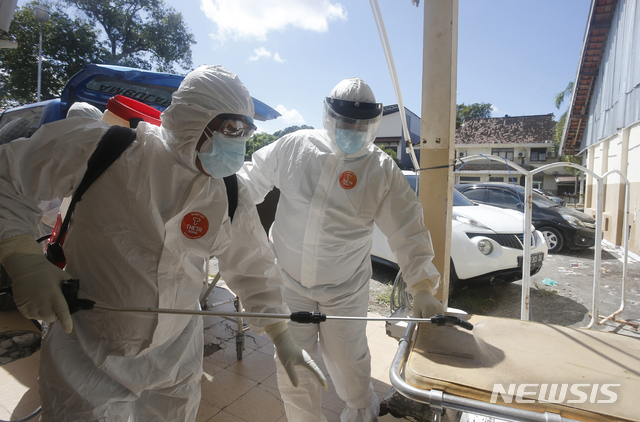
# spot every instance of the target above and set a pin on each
(520, 370)
(242, 327)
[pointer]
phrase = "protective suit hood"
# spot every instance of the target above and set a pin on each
(351, 118)
(203, 94)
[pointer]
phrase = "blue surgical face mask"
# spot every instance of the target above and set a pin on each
(225, 157)
(350, 141)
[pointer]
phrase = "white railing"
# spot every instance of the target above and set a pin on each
(597, 267)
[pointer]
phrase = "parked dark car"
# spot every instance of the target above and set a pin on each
(562, 227)
(550, 196)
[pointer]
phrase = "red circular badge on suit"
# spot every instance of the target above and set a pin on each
(194, 225)
(348, 180)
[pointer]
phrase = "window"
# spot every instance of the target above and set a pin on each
(20, 123)
(150, 94)
(502, 198)
(469, 179)
(538, 154)
(503, 152)
(388, 145)
(496, 179)
(476, 194)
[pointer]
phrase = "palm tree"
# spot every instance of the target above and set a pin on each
(558, 130)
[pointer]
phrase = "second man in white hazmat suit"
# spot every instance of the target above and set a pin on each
(139, 238)
(334, 184)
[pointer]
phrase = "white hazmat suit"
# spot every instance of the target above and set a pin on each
(138, 238)
(329, 201)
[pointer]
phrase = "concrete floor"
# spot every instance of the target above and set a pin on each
(232, 390)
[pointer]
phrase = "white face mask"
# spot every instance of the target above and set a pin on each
(222, 156)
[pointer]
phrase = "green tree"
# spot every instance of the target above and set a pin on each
(558, 130)
(258, 140)
(472, 111)
(67, 45)
(391, 153)
(280, 133)
(141, 33)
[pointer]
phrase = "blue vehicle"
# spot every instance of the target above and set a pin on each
(95, 84)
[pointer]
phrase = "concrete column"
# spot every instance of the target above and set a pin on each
(622, 188)
(588, 197)
(437, 134)
(603, 169)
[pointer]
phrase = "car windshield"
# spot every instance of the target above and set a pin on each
(459, 200)
(539, 200)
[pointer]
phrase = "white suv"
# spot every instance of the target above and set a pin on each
(486, 242)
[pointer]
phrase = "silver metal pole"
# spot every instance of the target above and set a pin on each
(250, 314)
(39, 64)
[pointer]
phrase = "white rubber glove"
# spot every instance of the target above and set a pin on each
(292, 355)
(425, 305)
(36, 281)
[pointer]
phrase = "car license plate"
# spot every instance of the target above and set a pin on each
(536, 260)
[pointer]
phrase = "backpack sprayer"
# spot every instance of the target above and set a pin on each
(71, 287)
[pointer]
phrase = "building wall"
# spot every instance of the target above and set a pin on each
(633, 174)
(612, 132)
(616, 94)
(618, 152)
(542, 181)
(391, 126)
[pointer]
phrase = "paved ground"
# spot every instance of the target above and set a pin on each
(560, 294)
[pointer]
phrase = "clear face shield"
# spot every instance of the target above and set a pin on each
(351, 125)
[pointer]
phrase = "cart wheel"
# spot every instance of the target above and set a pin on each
(239, 345)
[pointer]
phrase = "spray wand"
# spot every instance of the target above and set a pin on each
(71, 287)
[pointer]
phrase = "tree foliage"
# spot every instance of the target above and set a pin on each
(257, 141)
(67, 45)
(391, 153)
(280, 133)
(141, 33)
(472, 111)
(558, 130)
(261, 139)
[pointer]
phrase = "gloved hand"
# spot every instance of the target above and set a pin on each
(425, 305)
(292, 355)
(36, 281)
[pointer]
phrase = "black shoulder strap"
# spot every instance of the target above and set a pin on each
(112, 144)
(231, 182)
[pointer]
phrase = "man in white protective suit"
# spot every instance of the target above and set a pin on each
(334, 184)
(139, 238)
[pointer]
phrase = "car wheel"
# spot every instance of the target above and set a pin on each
(555, 241)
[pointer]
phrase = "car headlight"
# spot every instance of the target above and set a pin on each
(461, 218)
(574, 221)
(485, 246)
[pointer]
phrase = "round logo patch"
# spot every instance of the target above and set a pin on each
(348, 180)
(194, 225)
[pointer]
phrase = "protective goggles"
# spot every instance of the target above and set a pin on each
(235, 126)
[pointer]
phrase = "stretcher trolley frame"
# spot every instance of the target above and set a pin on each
(242, 327)
(460, 377)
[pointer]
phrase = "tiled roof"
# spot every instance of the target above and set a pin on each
(506, 130)
(592, 50)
